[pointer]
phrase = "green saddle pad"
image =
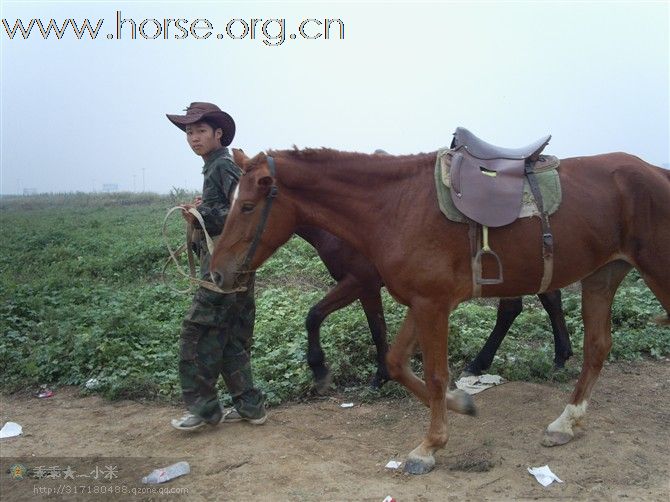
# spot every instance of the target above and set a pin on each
(545, 171)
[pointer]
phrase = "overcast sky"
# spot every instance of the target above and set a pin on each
(77, 114)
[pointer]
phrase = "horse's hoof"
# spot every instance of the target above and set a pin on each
(559, 365)
(463, 403)
(470, 408)
(555, 438)
(378, 382)
(467, 403)
(470, 370)
(322, 385)
(419, 465)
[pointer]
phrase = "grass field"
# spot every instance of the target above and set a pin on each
(82, 297)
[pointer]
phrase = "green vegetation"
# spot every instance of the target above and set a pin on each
(82, 298)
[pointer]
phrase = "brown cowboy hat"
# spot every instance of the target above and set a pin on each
(199, 111)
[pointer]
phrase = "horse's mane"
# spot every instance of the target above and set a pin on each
(328, 154)
(316, 154)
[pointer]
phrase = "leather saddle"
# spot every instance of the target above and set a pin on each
(487, 180)
(487, 186)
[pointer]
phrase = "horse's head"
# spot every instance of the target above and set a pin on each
(259, 221)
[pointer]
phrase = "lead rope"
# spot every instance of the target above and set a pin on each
(174, 254)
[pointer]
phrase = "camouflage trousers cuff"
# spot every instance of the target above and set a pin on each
(250, 404)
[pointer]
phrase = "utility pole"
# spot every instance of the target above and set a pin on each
(134, 176)
(143, 186)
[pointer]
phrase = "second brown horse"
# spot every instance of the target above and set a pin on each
(357, 279)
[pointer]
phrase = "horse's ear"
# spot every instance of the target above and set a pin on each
(265, 181)
(240, 158)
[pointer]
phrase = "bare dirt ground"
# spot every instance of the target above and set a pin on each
(318, 451)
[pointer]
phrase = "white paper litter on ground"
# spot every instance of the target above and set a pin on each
(393, 464)
(347, 405)
(92, 383)
(10, 430)
(544, 475)
(475, 384)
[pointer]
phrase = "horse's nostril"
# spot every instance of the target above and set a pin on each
(216, 278)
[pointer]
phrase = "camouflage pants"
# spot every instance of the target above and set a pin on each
(215, 340)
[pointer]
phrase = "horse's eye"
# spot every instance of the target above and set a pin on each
(248, 207)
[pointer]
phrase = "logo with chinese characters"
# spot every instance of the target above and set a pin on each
(18, 471)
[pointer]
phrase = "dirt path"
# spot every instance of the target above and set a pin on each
(318, 451)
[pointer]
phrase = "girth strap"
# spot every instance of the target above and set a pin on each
(547, 237)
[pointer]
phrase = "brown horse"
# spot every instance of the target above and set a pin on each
(615, 215)
(357, 279)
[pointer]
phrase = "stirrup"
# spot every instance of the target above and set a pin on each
(486, 250)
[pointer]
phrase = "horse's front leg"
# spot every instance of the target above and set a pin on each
(374, 312)
(432, 325)
(346, 291)
(397, 362)
(397, 359)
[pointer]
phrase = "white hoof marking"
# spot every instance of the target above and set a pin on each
(571, 416)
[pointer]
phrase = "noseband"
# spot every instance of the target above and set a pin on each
(269, 199)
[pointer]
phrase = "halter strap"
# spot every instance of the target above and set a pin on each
(264, 217)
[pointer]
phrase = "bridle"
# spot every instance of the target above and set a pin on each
(269, 199)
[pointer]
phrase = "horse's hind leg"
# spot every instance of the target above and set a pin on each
(647, 216)
(374, 312)
(655, 270)
(597, 294)
(342, 294)
(661, 289)
(551, 301)
(508, 310)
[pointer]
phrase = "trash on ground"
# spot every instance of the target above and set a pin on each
(347, 405)
(393, 464)
(388, 499)
(10, 430)
(44, 393)
(475, 384)
(92, 383)
(544, 475)
(167, 473)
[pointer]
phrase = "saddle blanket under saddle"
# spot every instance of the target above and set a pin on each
(546, 174)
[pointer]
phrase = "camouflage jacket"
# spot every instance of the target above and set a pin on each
(221, 177)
